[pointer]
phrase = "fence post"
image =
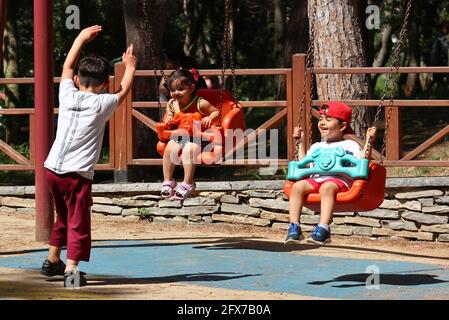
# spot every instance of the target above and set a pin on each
(111, 124)
(393, 141)
(120, 126)
(298, 71)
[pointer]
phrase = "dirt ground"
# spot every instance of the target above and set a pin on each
(17, 234)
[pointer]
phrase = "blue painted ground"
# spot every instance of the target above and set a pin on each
(238, 268)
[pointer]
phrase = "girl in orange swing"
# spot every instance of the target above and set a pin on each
(182, 85)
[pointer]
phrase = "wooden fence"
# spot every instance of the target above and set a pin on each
(121, 140)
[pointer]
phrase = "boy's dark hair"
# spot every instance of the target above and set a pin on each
(93, 70)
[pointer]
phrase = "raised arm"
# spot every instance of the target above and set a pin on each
(130, 61)
(370, 137)
(298, 136)
(86, 35)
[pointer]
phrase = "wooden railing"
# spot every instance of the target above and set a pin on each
(129, 110)
(121, 146)
(27, 164)
(394, 157)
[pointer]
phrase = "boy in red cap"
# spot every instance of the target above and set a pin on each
(333, 124)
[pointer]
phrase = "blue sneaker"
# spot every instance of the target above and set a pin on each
(319, 235)
(294, 234)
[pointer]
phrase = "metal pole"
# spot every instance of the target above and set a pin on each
(43, 96)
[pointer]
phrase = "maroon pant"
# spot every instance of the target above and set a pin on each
(72, 196)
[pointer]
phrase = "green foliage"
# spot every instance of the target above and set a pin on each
(104, 155)
(23, 149)
(254, 47)
(145, 214)
(23, 178)
(108, 14)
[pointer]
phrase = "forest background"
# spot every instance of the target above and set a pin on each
(266, 33)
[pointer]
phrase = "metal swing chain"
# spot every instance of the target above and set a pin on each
(307, 71)
(154, 60)
(231, 55)
(395, 64)
(310, 63)
(226, 55)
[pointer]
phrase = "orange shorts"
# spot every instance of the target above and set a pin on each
(317, 185)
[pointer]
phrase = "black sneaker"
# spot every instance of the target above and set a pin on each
(74, 279)
(52, 269)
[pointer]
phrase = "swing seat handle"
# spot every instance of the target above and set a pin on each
(329, 161)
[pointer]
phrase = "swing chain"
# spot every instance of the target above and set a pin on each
(227, 56)
(230, 48)
(154, 60)
(392, 77)
(311, 66)
(308, 74)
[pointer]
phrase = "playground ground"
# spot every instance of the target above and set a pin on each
(134, 259)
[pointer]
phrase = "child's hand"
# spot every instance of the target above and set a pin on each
(206, 122)
(88, 34)
(298, 133)
(128, 58)
(371, 133)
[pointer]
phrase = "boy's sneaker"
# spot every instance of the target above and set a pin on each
(319, 235)
(74, 279)
(52, 269)
(294, 234)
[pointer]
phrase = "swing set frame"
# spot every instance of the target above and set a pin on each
(368, 192)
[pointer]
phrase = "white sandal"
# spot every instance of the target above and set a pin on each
(184, 190)
(168, 188)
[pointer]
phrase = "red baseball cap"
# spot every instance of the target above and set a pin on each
(338, 110)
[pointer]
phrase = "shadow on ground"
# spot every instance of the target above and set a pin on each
(190, 277)
(231, 243)
(394, 279)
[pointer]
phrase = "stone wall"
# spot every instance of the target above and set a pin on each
(413, 208)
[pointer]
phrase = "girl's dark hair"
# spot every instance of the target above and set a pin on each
(93, 70)
(186, 77)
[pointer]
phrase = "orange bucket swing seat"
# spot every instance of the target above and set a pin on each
(232, 117)
(366, 193)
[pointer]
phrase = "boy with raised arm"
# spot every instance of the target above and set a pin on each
(84, 109)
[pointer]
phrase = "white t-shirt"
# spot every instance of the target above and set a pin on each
(79, 136)
(350, 146)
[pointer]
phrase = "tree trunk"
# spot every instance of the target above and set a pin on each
(339, 43)
(296, 38)
(279, 26)
(297, 35)
(137, 24)
(3, 6)
(11, 70)
(137, 33)
(194, 40)
(413, 58)
(385, 49)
